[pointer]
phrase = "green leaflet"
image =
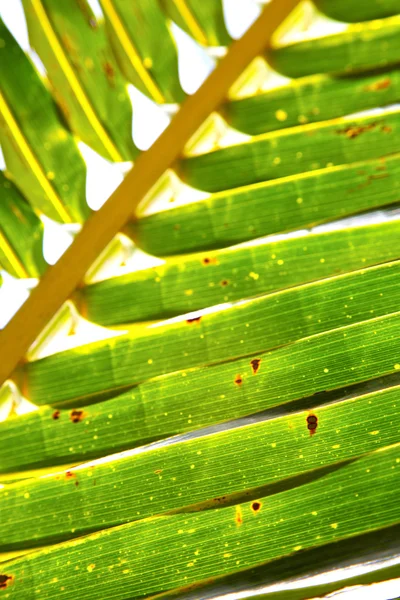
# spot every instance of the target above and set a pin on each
(312, 99)
(144, 48)
(188, 400)
(21, 234)
(292, 151)
(342, 554)
(204, 20)
(234, 216)
(155, 555)
(82, 70)
(40, 154)
(215, 469)
(195, 282)
(304, 563)
(361, 47)
(354, 10)
(254, 326)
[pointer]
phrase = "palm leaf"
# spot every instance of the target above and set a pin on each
(40, 153)
(144, 48)
(21, 234)
(352, 10)
(252, 443)
(343, 52)
(86, 81)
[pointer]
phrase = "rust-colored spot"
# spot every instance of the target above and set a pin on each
(158, 471)
(109, 71)
(238, 516)
(76, 483)
(224, 282)
(5, 581)
(312, 423)
(383, 84)
(76, 415)
(238, 380)
(354, 131)
(381, 176)
(255, 364)
(220, 499)
(255, 506)
(386, 129)
(193, 320)
(69, 475)
(56, 415)
(207, 260)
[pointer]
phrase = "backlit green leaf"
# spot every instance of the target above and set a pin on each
(254, 326)
(354, 10)
(204, 20)
(21, 234)
(86, 80)
(144, 47)
(40, 154)
(187, 400)
(373, 44)
(127, 559)
(293, 151)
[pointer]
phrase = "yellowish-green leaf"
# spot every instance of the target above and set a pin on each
(144, 47)
(188, 400)
(196, 281)
(312, 99)
(354, 10)
(204, 20)
(155, 555)
(253, 326)
(86, 80)
(40, 154)
(21, 234)
(361, 47)
(293, 151)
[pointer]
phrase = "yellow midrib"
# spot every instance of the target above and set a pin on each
(130, 51)
(32, 161)
(74, 82)
(190, 21)
(12, 257)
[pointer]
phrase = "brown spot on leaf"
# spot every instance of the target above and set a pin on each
(177, 227)
(56, 415)
(158, 471)
(69, 475)
(255, 506)
(76, 483)
(109, 71)
(224, 282)
(5, 581)
(255, 364)
(220, 499)
(76, 415)
(353, 131)
(386, 129)
(238, 380)
(238, 516)
(312, 423)
(383, 84)
(207, 260)
(193, 320)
